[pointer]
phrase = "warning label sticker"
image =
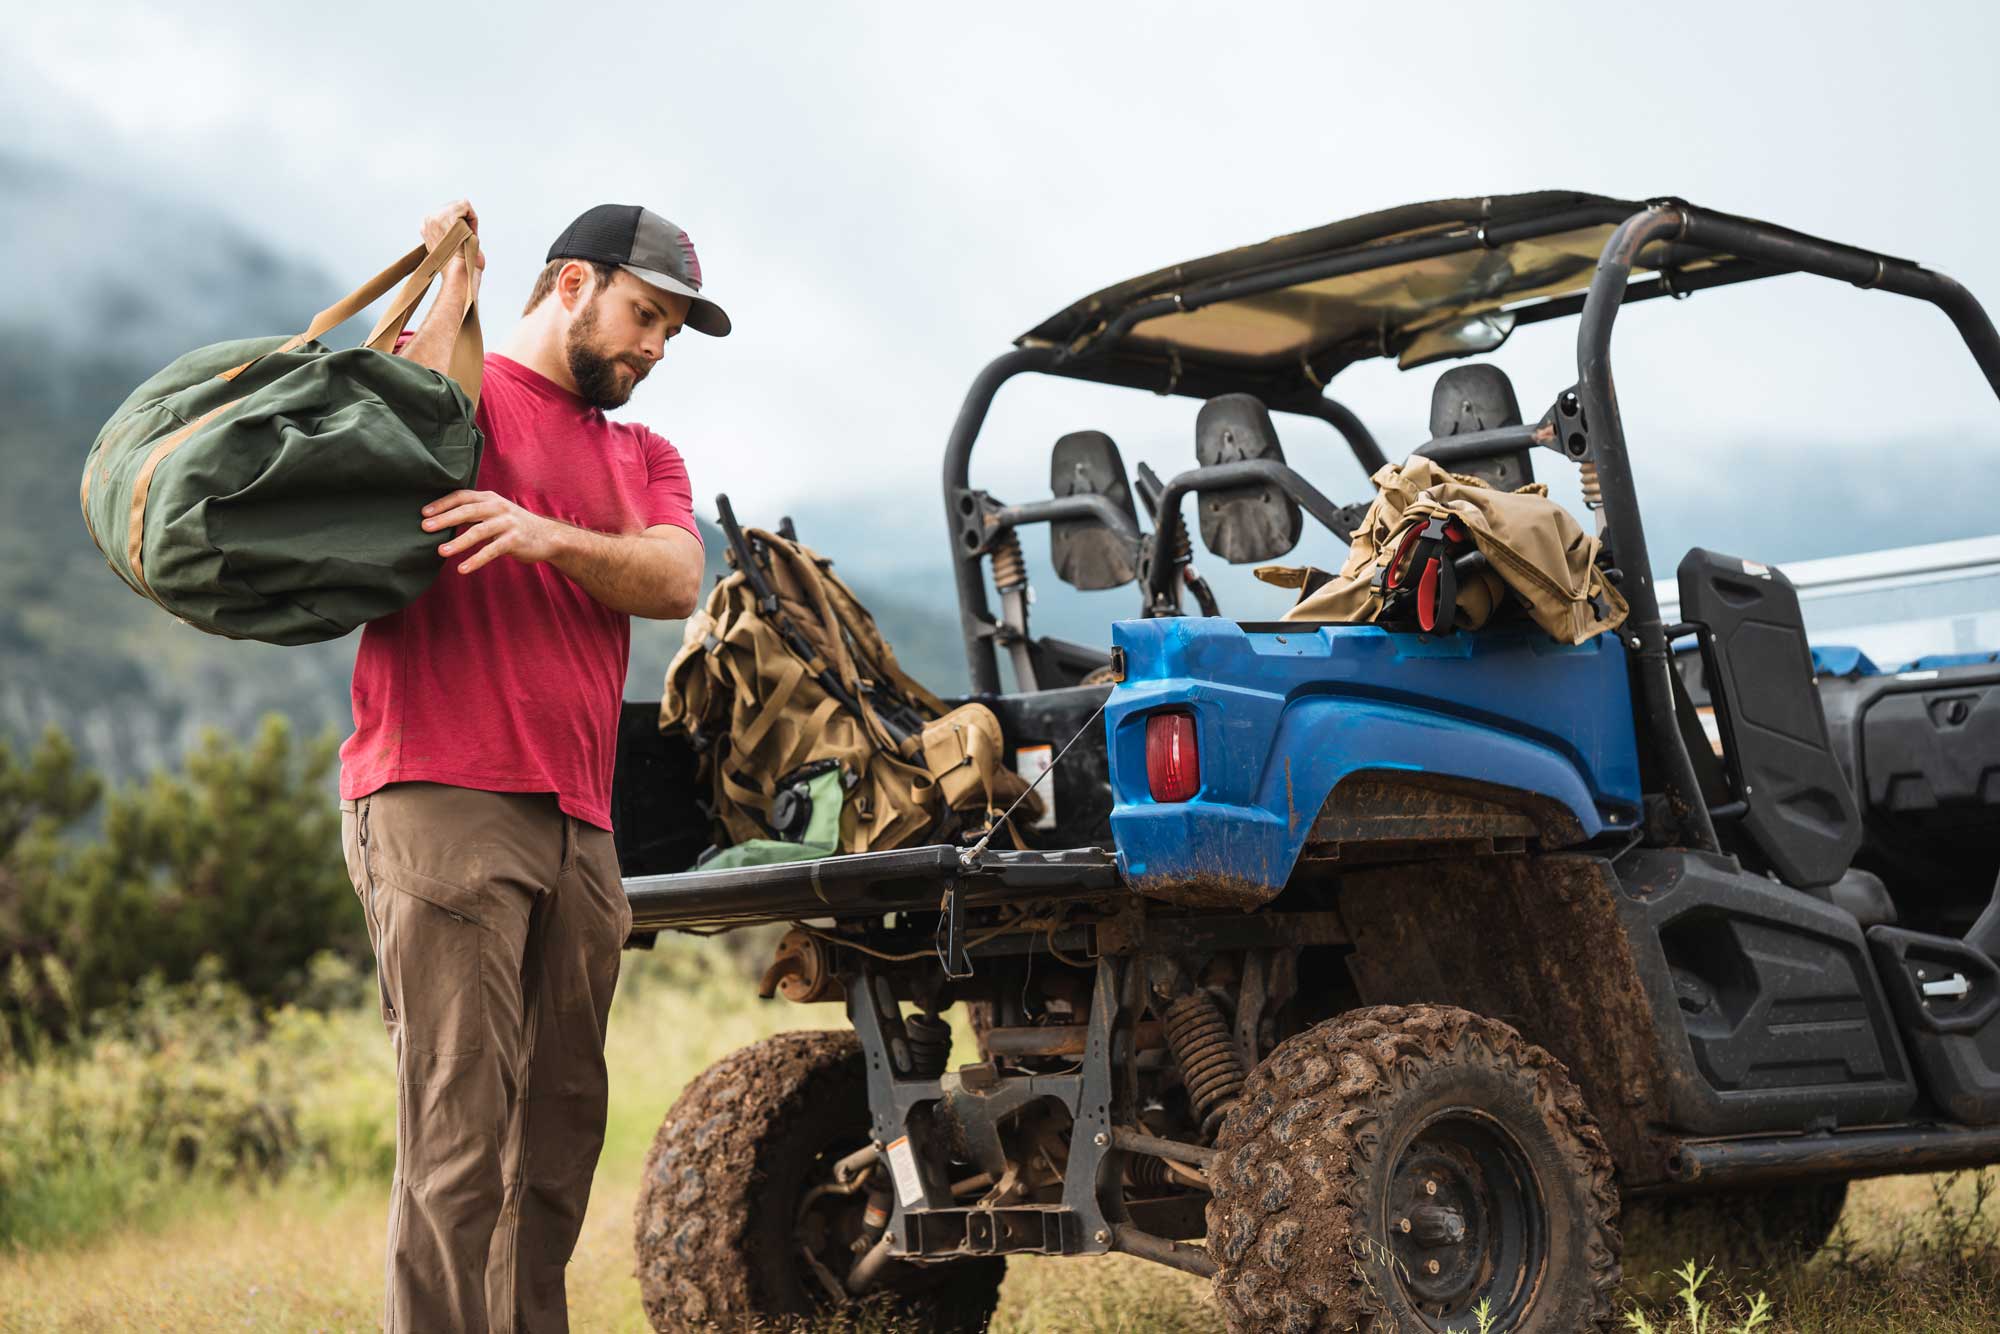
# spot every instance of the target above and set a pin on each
(1031, 762)
(903, 1167)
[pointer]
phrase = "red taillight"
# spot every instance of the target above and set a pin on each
(1173, 763)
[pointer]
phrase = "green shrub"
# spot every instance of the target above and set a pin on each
(236, 858)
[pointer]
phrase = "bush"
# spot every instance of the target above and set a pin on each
(189, 1086)
(236, 858)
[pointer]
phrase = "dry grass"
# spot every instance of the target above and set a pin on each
(306, 1255)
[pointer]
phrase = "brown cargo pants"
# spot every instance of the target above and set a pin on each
(497, 923)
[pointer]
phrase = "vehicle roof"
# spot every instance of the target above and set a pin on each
(1285, 315)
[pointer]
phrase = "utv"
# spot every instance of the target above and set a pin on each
(1378, 974)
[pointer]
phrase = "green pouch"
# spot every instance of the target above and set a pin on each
(821, 838)
(270, 488)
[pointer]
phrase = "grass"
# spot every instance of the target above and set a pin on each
(304, 1251)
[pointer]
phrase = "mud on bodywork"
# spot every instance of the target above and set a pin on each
(1534, 941)
(1205, 889)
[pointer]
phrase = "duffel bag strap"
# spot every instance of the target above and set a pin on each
(420, 267)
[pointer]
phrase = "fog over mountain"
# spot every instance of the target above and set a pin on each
(107, 283)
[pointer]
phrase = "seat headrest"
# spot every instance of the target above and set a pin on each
(1473, 398)
(1234, 427)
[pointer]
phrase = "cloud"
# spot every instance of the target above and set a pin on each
(886, 194)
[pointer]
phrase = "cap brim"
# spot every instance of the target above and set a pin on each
(704, 316)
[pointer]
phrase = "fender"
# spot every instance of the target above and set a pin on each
(1284, 713)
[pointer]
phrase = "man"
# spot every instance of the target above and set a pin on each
(476, 789)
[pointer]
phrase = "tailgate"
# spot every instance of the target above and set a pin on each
(862, 884)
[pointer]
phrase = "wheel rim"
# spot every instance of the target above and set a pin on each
(1465, 1220)
(829, 1215)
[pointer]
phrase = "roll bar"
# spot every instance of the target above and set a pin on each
(1587, 415)
(1596, 398)
(968, 525)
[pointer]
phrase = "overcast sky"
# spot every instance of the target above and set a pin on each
(884, 195)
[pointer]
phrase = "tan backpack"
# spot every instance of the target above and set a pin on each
(1535, 554)
(804, 684)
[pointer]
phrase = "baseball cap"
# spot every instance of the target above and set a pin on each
(649, 248)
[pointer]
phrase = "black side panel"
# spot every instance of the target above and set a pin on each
(1082, 782)
(1923, 752)
(657, 819)
(1771, 1016)
(1947, 996)
(1799, 811)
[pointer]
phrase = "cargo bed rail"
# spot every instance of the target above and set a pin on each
(862, 884)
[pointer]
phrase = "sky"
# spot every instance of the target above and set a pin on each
(884, 195)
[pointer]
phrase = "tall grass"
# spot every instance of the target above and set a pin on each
(188, 1087)
(207, 1167)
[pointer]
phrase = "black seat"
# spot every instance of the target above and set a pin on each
(1087, 553)
(1792, 802)
(1249, 523)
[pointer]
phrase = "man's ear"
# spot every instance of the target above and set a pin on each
(573, 284)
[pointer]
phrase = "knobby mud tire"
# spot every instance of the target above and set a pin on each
(1739, 1233)
(1302, 1185)
(716, 1222)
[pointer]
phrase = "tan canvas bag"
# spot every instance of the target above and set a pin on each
(1542, 557)
(760, 712)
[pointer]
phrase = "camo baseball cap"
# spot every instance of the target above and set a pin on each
(649, 248)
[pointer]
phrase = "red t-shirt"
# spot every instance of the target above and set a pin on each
(509, 679)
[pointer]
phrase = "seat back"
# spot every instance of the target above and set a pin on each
(1480, 397)
(1087, 553)
(1797, 809)
(1243, 524)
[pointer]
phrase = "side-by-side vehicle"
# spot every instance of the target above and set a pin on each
(1376, 973)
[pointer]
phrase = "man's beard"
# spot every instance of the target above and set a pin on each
(596, 375)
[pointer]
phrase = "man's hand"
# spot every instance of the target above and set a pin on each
(656, 574)
(437, 224)
(505, 528)
(434, 339)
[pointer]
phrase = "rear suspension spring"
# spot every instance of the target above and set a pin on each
(929, 1042)
(1593, 492)
(1010, 567)
(1211, 1067)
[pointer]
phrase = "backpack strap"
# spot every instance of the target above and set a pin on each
(775, 704)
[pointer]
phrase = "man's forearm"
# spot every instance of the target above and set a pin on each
(438, 334)
(640, 576)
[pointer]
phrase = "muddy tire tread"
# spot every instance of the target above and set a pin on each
(1303, 1138)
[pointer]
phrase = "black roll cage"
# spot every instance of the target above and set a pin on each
(1586, 417)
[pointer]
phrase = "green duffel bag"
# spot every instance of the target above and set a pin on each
(271, 488)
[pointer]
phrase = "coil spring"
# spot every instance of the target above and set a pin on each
(1183, 549)
(929, 1040)
(1010, 568)
(1593, 494)
(1211, 1067)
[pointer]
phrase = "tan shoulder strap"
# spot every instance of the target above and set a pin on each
(877, 655)
(417, 270)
